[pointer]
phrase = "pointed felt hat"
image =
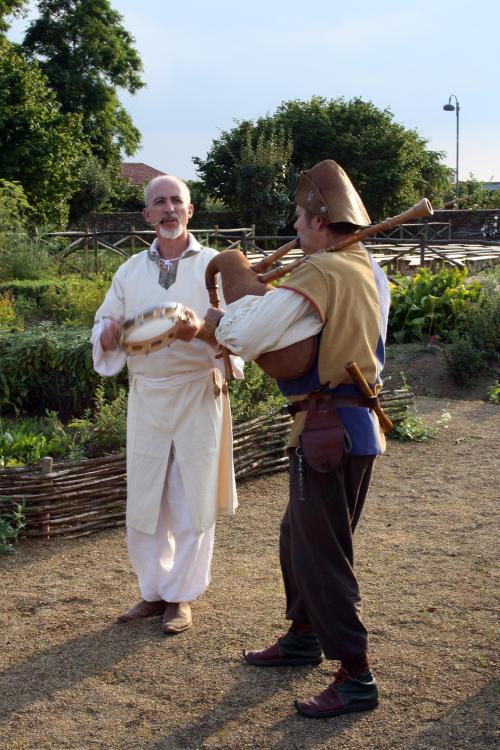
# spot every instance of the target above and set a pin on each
(327, 191)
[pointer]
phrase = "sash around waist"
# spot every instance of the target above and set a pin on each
(173, 380)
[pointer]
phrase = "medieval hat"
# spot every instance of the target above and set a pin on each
(327, 191)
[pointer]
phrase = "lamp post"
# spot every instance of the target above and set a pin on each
(455, 108)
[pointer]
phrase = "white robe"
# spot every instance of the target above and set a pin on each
(172, 398)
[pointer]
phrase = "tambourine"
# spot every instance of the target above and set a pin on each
(152, 329)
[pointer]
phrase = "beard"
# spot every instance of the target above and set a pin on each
(170, 234)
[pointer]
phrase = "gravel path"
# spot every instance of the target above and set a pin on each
(72, 678)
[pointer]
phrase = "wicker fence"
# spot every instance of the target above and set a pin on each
(79, 498)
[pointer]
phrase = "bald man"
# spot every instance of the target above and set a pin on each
(179, 447)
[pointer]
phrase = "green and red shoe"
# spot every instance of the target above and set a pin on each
(347, 694)
(294, 649)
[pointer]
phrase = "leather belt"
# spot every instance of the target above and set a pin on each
(303, 405)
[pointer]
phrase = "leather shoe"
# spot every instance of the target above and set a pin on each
(345, 695)
(292, 649)
(176, 618)
(143, 609)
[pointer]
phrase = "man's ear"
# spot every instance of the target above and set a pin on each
(145, 213)
(190, 210)
(317, 222)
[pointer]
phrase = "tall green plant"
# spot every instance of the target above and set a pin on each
(430, 304)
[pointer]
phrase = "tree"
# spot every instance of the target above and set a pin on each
(261, 190)
(389, 164)
(10, 8)
(474, 196)
(86, 54)
(40, 147)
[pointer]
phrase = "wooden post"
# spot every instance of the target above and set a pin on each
(45, 471)
(132, 241)
(86, 249)
(422, 251)
(94, 242)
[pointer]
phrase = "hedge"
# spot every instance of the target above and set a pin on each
(50, 367)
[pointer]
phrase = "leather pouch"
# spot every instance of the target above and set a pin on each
(324, 442)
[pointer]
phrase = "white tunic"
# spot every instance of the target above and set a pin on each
(172, 398)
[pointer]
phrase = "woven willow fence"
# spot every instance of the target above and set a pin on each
(82, 497)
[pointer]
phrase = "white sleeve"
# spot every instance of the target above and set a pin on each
(111, 361)
(108, 362)
(254, 325)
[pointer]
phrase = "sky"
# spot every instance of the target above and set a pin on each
(207, 64)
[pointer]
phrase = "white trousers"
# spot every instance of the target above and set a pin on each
(174, 563)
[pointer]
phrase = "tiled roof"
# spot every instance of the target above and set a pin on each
(138, 173)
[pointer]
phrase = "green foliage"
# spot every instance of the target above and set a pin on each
(86, 54)
(475, 344)
(40, 147)
(72, 299)
(94, 187)
(262, 190)
(76, 301)
(390, 166)
(12, 522)
(256, 395)
(474, 196)
(49, 367)
(7, 310)
(31, 289)
(10, 8)
(103, 188)
(102, 429)
(14, 209)
(493, 394)
(27, 441)
(123, 195)
(412, 429)
(430, 304)
(25, 256)
(480, 321)
(464, 360)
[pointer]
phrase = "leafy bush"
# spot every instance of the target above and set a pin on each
(493, 394)
(50, 367)
(430, 304)
(27, 441)
(25, 256)
(254, 396)
(14, 208)
(102, 429)
(11, 524)
(476, 342)
(465, 362)
(7, 310)
(76, 301)
(481, 321)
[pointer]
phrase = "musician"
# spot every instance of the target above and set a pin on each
(179, 447)
(342, 298)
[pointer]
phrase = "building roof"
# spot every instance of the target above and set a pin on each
(138, 173)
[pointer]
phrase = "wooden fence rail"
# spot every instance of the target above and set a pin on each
(404, 248)
(82, 497)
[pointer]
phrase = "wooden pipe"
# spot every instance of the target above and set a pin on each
(365, 390)
(422, 208)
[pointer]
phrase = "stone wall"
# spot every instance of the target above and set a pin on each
(464, 223)
(123, 221)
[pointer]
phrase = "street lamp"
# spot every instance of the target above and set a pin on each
(451, 108)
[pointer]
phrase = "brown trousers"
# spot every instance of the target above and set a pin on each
(316, 553)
